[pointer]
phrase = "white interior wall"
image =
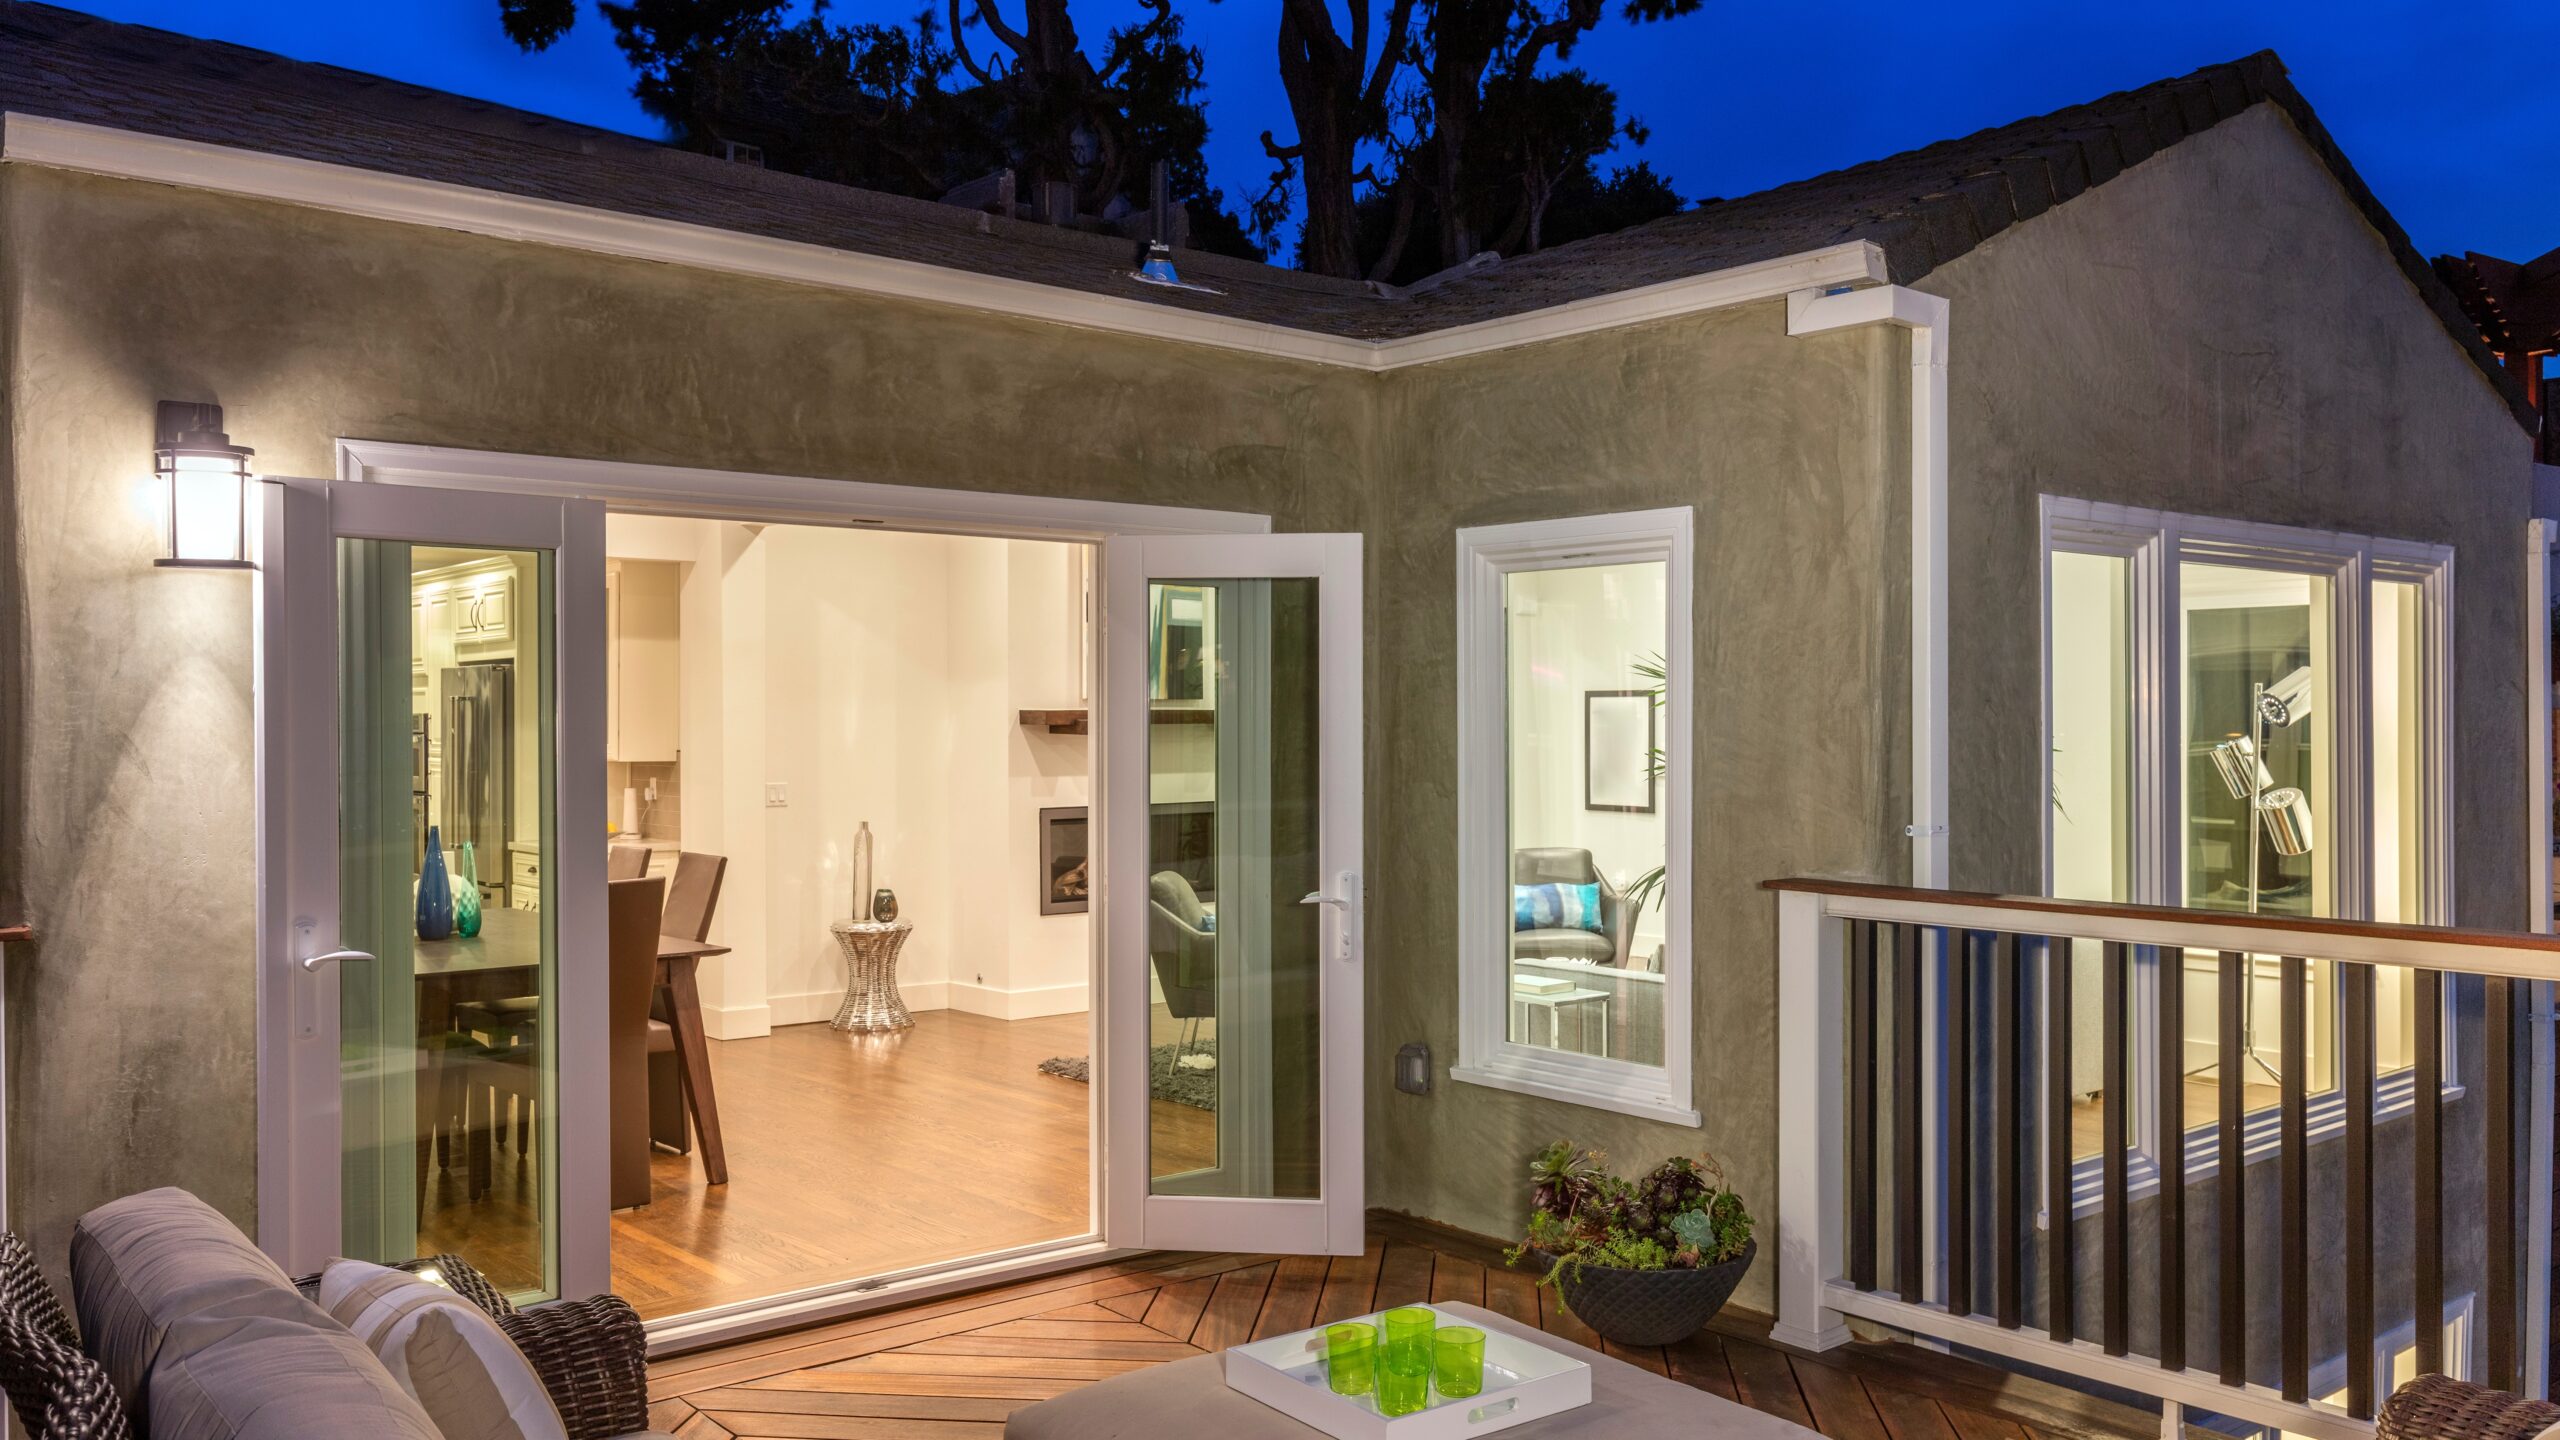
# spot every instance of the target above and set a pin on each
(875, 676)
(1571, 631)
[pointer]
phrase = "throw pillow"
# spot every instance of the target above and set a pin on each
(1556, 907)
(463, 1370)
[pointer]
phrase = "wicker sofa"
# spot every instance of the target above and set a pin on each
(2439, 1407)
(186, 1329)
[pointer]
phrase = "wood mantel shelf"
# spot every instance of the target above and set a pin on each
(1079, 722)
(14, 934)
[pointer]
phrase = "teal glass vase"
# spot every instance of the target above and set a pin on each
(466, 893)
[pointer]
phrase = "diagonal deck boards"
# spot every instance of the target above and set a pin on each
(956, 1367)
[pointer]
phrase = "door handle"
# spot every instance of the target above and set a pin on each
(339, 957)
(1318, 897)
(1346, 938)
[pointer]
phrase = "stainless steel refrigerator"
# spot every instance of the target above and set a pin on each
(479, 770)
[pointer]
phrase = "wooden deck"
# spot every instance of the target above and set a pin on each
(953, 1369)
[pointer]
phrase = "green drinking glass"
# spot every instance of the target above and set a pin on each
(1408, 1340)
(1457, 1360)
(1351, 1357)
(1401, 1391)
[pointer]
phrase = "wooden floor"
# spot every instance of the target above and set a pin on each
(849, 1156)
(2203, 1106)
(953, 1369)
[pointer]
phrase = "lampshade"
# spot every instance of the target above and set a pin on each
(2234, 760)
(2287, 813)
(2289, 699)
(204, 480)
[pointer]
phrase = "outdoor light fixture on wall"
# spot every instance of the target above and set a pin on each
(204, 479)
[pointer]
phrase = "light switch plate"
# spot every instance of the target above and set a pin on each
(775, 796)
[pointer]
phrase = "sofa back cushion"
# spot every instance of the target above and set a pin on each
(183, 1312)
(141, 1264)
(255, 1376)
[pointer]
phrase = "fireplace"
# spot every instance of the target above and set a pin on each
(1066, 877)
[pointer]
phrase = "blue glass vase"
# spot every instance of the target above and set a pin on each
(466, 893)
(435, 892)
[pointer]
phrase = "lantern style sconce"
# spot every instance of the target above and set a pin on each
(205, 479)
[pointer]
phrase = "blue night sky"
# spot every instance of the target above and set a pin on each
(2447, 110)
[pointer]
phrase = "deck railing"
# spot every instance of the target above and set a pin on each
(1926, 1109)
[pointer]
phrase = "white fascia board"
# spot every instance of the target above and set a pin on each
(129, 155)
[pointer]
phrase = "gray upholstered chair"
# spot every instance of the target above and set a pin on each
(1566, 865)
(1184, 951)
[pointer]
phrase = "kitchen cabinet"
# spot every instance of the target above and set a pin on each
(641, 601)
(484, 610)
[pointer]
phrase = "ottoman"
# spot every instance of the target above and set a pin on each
(1190, 1397)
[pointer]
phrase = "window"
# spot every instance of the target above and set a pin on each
(2248, 718)
(1573, 802)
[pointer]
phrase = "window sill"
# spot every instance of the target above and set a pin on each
(1627, 1102)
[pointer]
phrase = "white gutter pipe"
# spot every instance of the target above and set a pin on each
(1816, 312)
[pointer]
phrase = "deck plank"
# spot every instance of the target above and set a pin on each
(1763, 1380)
(1350, 1284)
(954, 1368)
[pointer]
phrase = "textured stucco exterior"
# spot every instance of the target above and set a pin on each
(2217, 330)
(129, 831)
(1796, 613)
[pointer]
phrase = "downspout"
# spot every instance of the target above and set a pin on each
(1816, 312)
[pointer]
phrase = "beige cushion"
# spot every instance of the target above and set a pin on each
(1190, 1397)
(444, 1351)
(272, 1377)
(142, 1264)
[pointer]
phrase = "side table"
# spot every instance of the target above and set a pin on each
(871, 1001)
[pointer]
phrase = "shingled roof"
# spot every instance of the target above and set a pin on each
(1922, 207)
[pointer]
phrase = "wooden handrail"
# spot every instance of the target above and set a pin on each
(2364, 932)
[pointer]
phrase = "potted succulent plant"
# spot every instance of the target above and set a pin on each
(1647, 1261)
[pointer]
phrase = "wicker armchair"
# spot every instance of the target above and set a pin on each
(2439, 1407)
(591, 1355)
(58, 1392)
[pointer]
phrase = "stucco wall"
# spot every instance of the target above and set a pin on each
(1797, 603)
(2218, 331)
(127, 730)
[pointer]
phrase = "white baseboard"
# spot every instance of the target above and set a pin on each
(1029, 1003)
(737, 1022)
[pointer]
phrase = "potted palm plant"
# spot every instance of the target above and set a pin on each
(1644, 1261)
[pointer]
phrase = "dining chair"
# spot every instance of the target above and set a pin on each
(632, 908)
(692, 897)
(625, 861)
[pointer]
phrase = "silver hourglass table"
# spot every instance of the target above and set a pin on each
(871, 1000)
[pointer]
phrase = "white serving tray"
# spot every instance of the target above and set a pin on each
(1523, 1381)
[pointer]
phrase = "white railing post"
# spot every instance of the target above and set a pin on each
(1811, 1224)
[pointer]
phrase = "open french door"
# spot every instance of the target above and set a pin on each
(1231, 1033)
(432, 657)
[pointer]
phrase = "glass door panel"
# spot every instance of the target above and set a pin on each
(1229, 881)
(445, 820)
(432, 1028)
(1234, 949)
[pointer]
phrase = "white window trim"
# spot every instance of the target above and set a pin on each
(1486, 1053)
(2156, 543)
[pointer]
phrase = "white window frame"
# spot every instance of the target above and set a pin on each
(1486, 1053)
(2155, 543)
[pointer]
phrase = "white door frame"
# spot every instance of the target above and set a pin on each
(1334, 1221)
(297, 728)
(752, 497)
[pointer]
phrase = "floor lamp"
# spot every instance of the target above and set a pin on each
(2279, 815)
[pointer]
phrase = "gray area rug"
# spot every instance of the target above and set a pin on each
(1195, 1088)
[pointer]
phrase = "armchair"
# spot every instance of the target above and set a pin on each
(1566, 865)
(1184, 951)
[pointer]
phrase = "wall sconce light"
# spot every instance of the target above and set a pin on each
(205, 479)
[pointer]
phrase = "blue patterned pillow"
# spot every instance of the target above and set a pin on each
(1556, 907)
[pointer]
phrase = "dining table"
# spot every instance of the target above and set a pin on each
(504, 960)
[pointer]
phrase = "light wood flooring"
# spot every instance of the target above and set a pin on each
(2203, 1106)
(849, 1156)
(955, 1368)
